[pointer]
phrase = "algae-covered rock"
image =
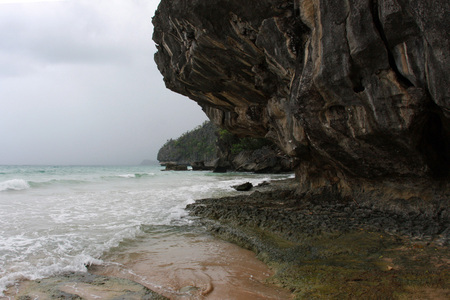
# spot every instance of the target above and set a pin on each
(329, 247)
(85, 286)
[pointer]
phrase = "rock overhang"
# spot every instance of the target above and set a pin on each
(347, 88)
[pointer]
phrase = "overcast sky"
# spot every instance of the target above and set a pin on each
(78, 84)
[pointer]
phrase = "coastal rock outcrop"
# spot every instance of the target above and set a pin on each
(331, 247)
(222, 151)
(352, 90)
(175, 167)
(192, 146)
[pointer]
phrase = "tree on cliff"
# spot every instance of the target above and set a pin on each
(207, 143)
(203, 143)
(195, 145)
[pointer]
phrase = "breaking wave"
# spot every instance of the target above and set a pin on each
(136, 175)
(14, 185)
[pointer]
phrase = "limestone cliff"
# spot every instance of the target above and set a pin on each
(353, 90)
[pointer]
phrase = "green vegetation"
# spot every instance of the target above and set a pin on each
(198, 144)
(203, 143)
(236, 144)
(350, 265)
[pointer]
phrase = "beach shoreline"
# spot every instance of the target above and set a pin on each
(192, 264)
(326, 246)
(180, 267)
(315, 246)
(166, 262)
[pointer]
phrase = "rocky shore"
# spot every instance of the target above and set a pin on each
(323, 245)
(356, 94)
(77, 286)
(329, 246)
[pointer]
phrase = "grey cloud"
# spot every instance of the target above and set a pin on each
(78, 85)
(72, 36)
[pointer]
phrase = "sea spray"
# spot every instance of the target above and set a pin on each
(14, 185)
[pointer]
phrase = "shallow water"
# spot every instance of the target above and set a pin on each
(56, 219)
(186, 263)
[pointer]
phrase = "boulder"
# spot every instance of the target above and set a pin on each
(243, 187)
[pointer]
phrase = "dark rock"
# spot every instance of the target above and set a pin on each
(338, 237)
(243, 187)
(175, 167)
(355, 90)
(221, 165)
(220, 169)
(264, 160)
(207, 148)
(357, 93)
(200, 166)
(275, 209)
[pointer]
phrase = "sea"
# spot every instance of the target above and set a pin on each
(57, 219)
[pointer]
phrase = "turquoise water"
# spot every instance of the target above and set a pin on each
(56, 219)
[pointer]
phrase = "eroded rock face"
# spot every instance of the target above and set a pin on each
(350, 88)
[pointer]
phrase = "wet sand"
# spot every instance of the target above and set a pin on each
(191, 266)
(177, 264)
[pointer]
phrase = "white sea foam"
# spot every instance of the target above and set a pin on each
(136, 175)
(71, 216)
(128, 175)
(29, 271)
(14, 185)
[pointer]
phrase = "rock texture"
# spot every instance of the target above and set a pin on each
(264, 160)
(332, 247)
(349, 89)
(251, 155)
(279, 210)
(175, 167)
(78, 286)
(243, 187)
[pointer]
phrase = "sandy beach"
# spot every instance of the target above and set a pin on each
(321, 247)
(193, 266)
(183, 265)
